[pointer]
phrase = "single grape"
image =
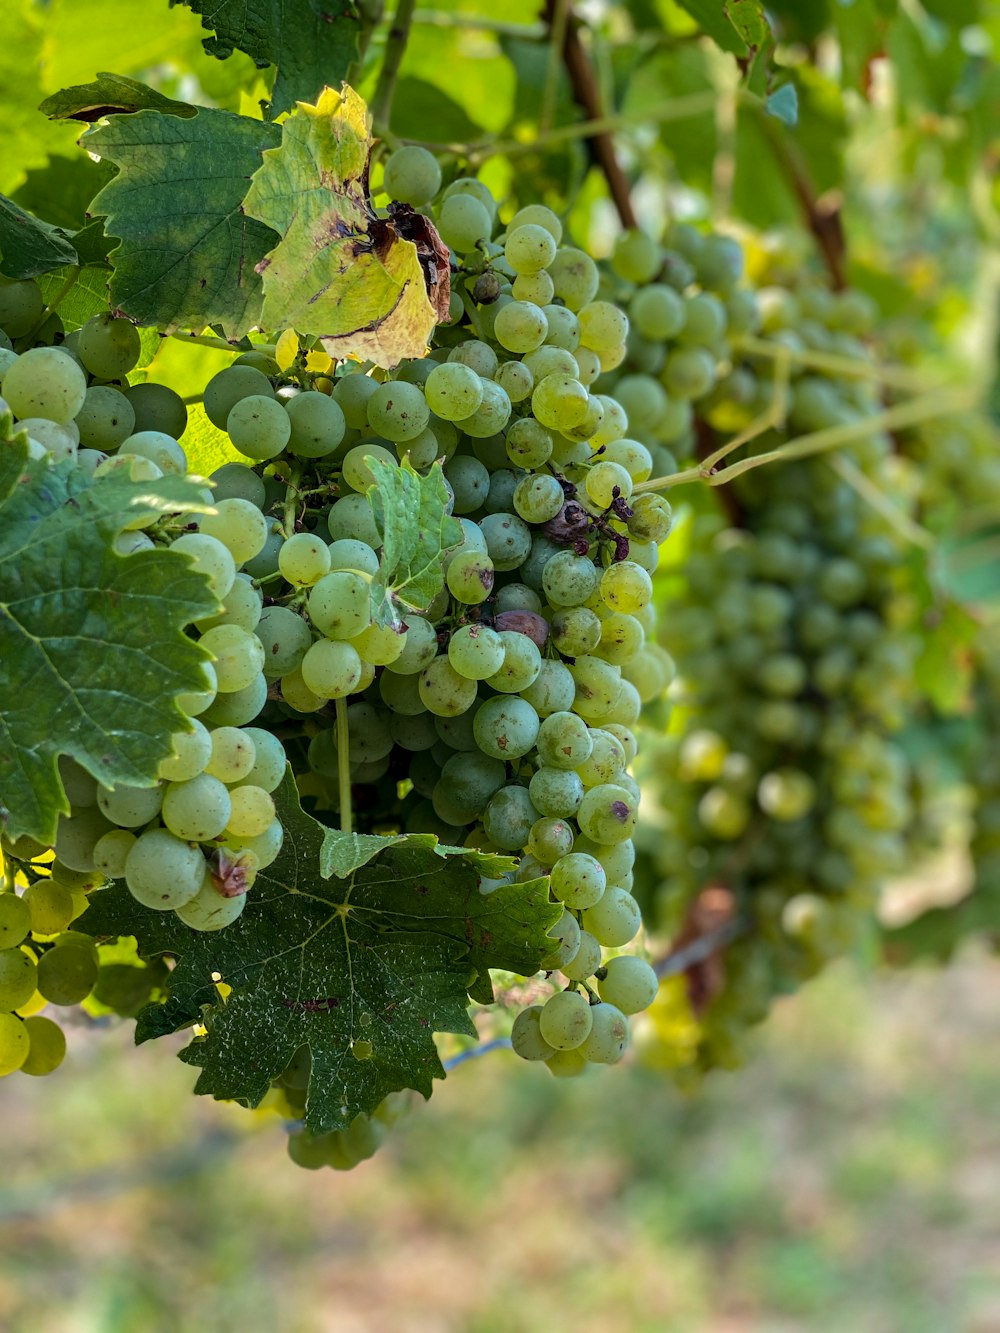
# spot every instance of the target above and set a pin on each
(109, 347)
(258, 426)
(45, 382)
(163, 871)
(412, 175)
(565, 1021)
(630, 984)
(15, 1042)
(48, 1046)
(67, 974)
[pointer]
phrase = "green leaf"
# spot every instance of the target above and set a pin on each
(968, 566)
(182, 180)
(418, 529)
(27, 137)
(440, 117)
(944, 669)
(750, 21)
(108, 95)
(363, 294)
(383, 957)
(29, 247)
(783, 104)
(311, 43)
(92, 645)
(343, 853)
(86, 297)
(61, 190)
(713, 19)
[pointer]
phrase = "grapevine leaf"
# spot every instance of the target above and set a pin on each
(944, 668)
(29, 246)
(311, 43)
(343, 853)
(714, 21)
(339, 271)
(750, 21)
(364, 969)
(413, 511)
(182, 180)
(108, 95)
(92, 645)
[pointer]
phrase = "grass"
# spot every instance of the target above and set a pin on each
(847, 1181)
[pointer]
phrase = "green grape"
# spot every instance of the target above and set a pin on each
(537, 215)
(786, 794)
(526, 1037)
(614, 920)
(443, 691)
(412, 175)
(520, 327)
(689, 372)
(158, 448)
(652, 517)
(231, 386)
(76, 837)
(530, 248)
(45, 382)
(537, 499)
(48, 1046)
(492, 414)
(622, 637)
(398, 411)
(269, 760)
(252, 812)
(603, 326)
(626, 587)
(18, 975)
(476, 355)
(285, 637)
(264, 846)
(508, 539)
(475, 651)
(464, 222)
(258, 425)
(521, 664)
(559, 401)
(15, 920)
(551, 691)
(470, 577)
(158, 408)
(163, 871)
(330, 670)
(576, 631)
(21, 306)
(469, 481)
(586, 960)
(196, 810)
(549, 840)
(238, 656)
(538, 288)
(509, 817)
(597, 685)
(243, 606)
(609, 1035)
(564, 328)
(564, 741)
(208, 910)
(453, 391)
(566, 1064)
(67, 974)
(704, 320)
(551, 361)
(57, 441)
(556, 792)
(506, 728)
(109, 347)
(566, 934)
(636, 257)
(239, 525)
(233, 755)
(607, 813)
(14, 1039)
(106, 418)
(304, 559)
(630, 984)
(565, 1020)
(238, 707)
(657, 312)
(569, 579)
(353, 555)
(380, 645)
(210, 558)
(351, 519)
(111, 852)
(340, 604)
(129, 807)
(419, 649)
(578, 880)
(236, 481)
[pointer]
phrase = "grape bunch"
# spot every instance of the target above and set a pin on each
(501, 715)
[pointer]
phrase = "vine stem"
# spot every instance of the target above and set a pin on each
(210, 340)
(850, 367)
(395, 48)
(370, 12)
(849, 471)
(699, 949)
(911, 413)
(565, 30)
(344, 766)
(557, 20)
(444, 18)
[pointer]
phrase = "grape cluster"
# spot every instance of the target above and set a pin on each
(782, 792)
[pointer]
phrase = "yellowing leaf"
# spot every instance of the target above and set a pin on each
(286, 349)
(339, 271)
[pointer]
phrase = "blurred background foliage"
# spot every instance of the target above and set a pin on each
(846, 1179)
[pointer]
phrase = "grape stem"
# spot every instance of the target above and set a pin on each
(209, 340)
(849, 367)
(344, 766)
(395, 48)
(565, 38)
(699, 949)
(911, 413)
(370, 12)
(291, 504)
(848, 471)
